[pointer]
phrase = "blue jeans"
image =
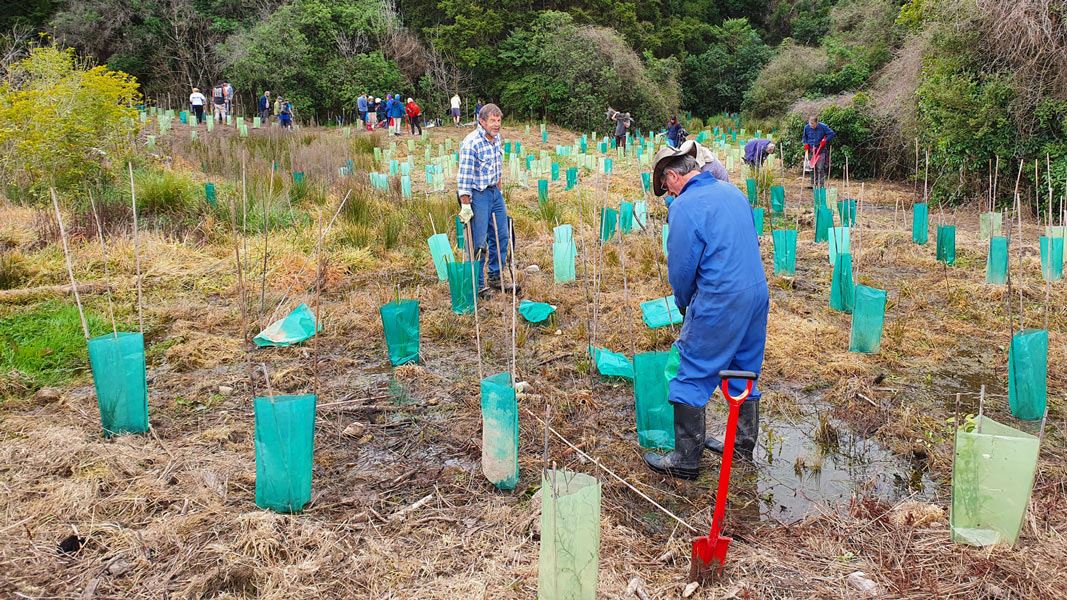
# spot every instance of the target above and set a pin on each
(485, 237)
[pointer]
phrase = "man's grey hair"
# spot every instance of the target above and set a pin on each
(490, 110)
(682, 165)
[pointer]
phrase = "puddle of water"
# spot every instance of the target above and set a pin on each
(795, 476)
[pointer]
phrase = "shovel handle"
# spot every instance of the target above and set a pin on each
(726, 376)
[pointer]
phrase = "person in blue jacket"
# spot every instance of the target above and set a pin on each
(716, 273)
(395, 109)
(816, 139)
(757, 150)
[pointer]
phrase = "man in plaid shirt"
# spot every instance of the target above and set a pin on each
(481, 162)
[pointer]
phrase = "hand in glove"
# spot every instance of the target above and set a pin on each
(466, 214)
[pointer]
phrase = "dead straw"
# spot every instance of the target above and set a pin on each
(70, 267)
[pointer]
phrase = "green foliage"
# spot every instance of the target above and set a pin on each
(716, 80)
(62, 121)
(571, 74)
(785, 79)
(163, 192)
(43, 345)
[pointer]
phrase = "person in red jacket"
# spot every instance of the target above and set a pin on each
(414, 116)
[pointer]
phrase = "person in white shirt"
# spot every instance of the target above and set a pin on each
(197, 101)
(456, 104)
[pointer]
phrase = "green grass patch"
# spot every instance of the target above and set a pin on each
(42, 345)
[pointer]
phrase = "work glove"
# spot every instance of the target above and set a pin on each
(807, 147)
(466, 214)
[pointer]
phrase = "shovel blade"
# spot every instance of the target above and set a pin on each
(708, 558)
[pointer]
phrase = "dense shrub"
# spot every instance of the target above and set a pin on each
(570, 74)
(785, 79)
(857, 137)
(716, 79)
(63, 121)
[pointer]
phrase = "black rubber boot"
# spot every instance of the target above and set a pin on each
(747, 432)
(494, 282)
(684, 461)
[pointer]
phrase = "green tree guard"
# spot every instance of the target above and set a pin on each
(611, 364)
(572, 177)
(298, 177)
(842, 290)
(400, 322)
(609, 220)
(405, 185)
(757, 219)
(441, 253)
(660, 312)
(461, 240)
(570, 536)
(1028, 374)
(209, 194)
(626, 216)
(665, 232)
(846, 209)
(500, 431)
(920, 223)
(824, 220)
(785, 251)
(750, 188)
(655, 415)
(535, 312)
(831, 198)
(819, 196)
(118, 366)
(1051, 258)
(285, 444)
(946, 244)
(996, 270)
(777, 200)
(542, 191)
(298, 326)
(554, 170)
(646, 181)
(460, 287)
(641, 213)
(992, 477)
(868, 317)
(838, 239)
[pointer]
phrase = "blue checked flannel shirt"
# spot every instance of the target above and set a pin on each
(480, 162)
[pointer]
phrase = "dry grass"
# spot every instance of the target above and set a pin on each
(174, 516)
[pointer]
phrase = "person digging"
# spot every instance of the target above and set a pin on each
(716, 273)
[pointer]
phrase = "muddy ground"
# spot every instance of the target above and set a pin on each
(172, 514)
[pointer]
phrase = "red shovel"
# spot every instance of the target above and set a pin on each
(709, 552)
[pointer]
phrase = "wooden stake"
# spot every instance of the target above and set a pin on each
(474, 290)
(70, 267)
(266, 221)
(137, 253)
(107, 274)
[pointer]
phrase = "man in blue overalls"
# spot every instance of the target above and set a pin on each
(715, 270)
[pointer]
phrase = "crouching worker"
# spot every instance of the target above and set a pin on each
(716, 274)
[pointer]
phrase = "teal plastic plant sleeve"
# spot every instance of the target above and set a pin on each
(535, 312)
(461, 286)
(785, 251)
(868, 318)
(996, 271)
(285, 446)
(920, 223)
(1028, 374)
(842, 288)
(500, 431)
(400, 322)
(611, 364)
(441, 253)
(946, 244)
(660, 312)
(292, 329)
(654, 414)
(119, 377)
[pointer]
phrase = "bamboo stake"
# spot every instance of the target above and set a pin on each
(626, 291)
(926, 179)
(474, 290)
(499, 260)
(137, 253)
(319, 274)
(70, 266)
(107, 274)
(585, 265)
(266, 222)
(514, 300)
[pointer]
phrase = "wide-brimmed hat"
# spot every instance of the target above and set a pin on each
(663, 157)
